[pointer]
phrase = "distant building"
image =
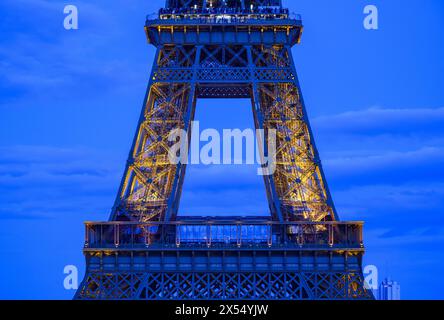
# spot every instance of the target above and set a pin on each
(389, 290)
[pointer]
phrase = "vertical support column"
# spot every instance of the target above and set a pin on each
(130, 160)
(331, 236)
(173, 203)
(116, 235)
(315, 149)
(270, 235)
(239, 235)
(298, 184)
(273, 198)
(208, 231)
(86, 235)
(178, 235)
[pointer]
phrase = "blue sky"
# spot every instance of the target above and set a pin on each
(69, 103)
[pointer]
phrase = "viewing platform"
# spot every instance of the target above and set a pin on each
(213, 234)
(226, 15)
(194, 26)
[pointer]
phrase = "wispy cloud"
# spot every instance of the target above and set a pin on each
(58, 63)
(383, 166)
(41, 182)
(380, 121)
(396, 166)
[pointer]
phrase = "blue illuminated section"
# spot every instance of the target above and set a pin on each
(216, 4)
(217, 234)
(183, 9)
(224, 234)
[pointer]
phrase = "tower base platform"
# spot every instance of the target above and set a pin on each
(315, 267)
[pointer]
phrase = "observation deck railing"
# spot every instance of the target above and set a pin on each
(215, 11)
(222, 16)
(223, 235)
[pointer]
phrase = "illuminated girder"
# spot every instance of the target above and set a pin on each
(194, 260)
(224, 49)
(150, 177)
(225, 286)
(151, 187)
(298, 180)
(221, 3)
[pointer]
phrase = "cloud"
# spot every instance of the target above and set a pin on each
(6, 215)
(234, 201)
(397, 167)
(381, 145)
(43, 182)
(379, 121)
(383, 166)
(401, 210)
(220, 176)
(422, 236)
(51, 61)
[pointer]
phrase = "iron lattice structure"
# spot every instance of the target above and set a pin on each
(223, 49)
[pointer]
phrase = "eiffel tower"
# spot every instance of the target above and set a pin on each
(223, 49)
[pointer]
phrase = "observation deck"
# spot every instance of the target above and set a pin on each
(224, 234)
(224, 25)
(221, 246)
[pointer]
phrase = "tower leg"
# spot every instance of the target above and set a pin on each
(298, 186)
(151, 186)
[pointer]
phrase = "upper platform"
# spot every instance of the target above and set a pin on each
(194, 22)
(217, 233)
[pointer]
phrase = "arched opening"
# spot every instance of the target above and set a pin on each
(230, 186)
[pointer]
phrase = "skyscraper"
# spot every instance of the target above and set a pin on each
(389, 290)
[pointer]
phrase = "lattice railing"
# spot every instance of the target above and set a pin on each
(218, 234)
(226, 286)
(224, 74)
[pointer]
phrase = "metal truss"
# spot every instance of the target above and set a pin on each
(222, 3)
(150, 189)
(225, 286)
(228, 64)
(231, 49)
(298, 180)
(151, 186)
(149, 181)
